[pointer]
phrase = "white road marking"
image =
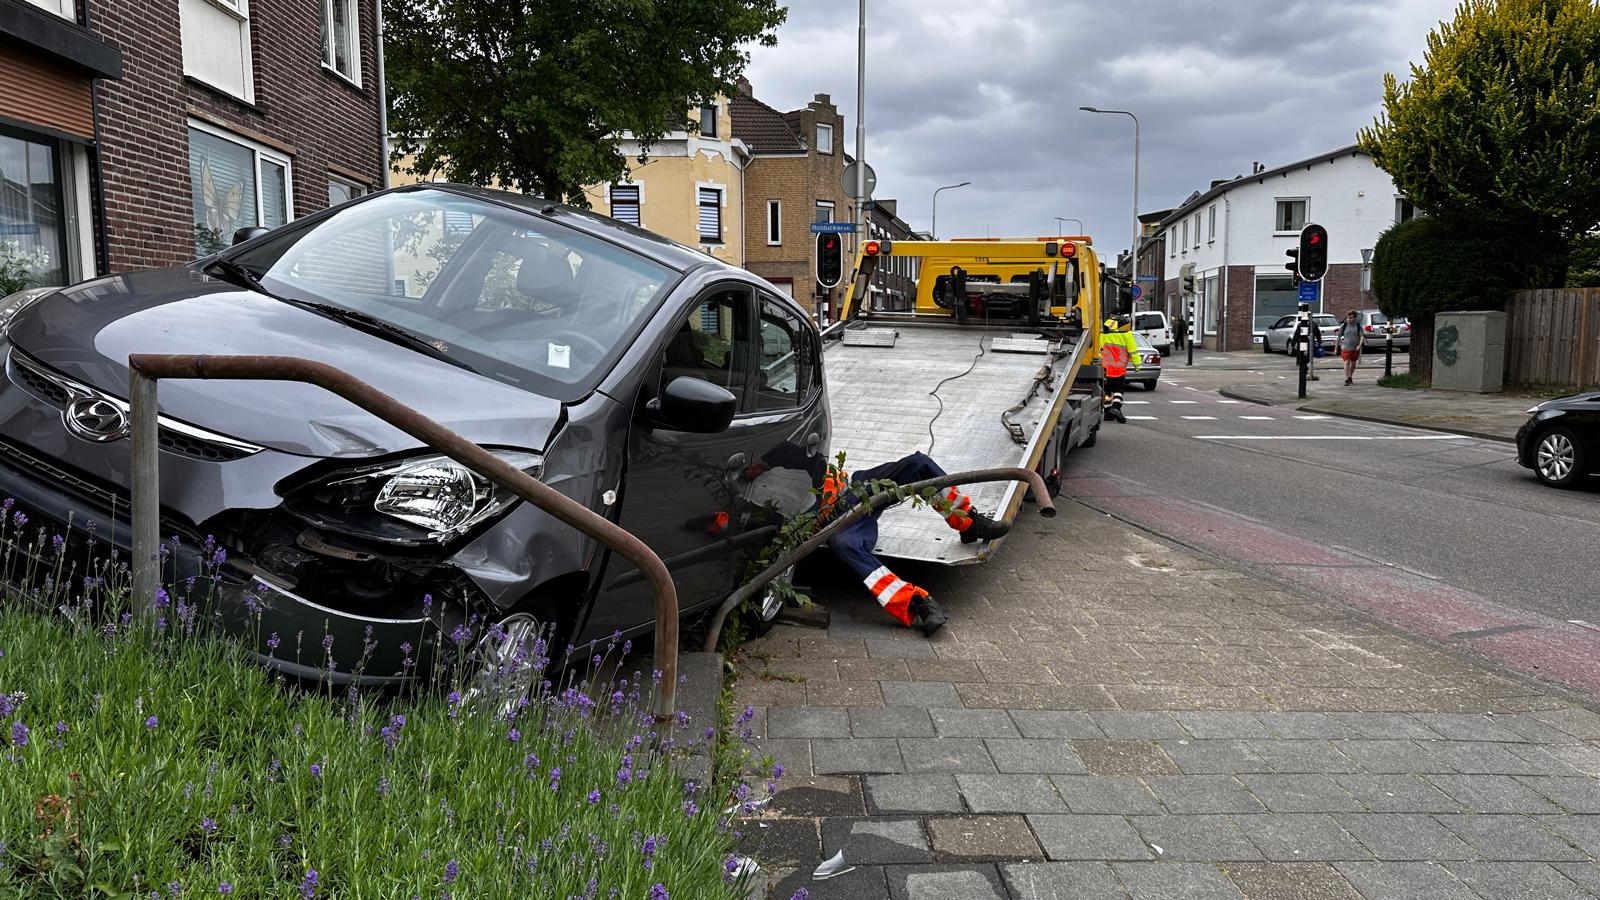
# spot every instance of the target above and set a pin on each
(1134, 402)
(1224, 358)
(1311, 418)
(1259, 418)
(1227, 401)
(1329, 437)
(1141, 418)
(1184, 401)
(1200, 418)
(1191, 389)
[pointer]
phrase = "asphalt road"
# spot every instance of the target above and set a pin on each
(1447, 530)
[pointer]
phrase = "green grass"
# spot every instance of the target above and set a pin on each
(135, 757)
(1404, 381)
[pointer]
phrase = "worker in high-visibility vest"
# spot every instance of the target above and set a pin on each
(854, 546)
(1117, 348)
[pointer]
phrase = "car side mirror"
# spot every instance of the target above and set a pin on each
(240, 235)
(694, 405)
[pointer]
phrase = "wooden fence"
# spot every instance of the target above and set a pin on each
(1553, 337)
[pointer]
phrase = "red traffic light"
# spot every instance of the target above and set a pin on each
(828, 243)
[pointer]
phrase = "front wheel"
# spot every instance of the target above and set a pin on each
(1559, 459)
(1266, 346)
(505, 663)
(763, 611)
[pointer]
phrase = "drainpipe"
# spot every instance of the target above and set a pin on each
(383, 96)
(1222, 304)
(102, 263)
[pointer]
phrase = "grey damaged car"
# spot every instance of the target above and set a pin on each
(677, 395)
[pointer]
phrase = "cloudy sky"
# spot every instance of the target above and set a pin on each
(988, 91)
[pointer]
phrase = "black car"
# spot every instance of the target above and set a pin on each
(640, 377)
(1560, 441)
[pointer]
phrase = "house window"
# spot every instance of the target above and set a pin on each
(711, 214)
(32, 232)
(1404, 209)
(343, 190)
(824, 211)
(1211, 226)
(1291, 216)
(1197, 231)
(341, 48)
(1172, 246)
(774, 222)
(216, 45)
(66, 9)
(1185, 242)
(824, 138)
(235, 184)
(708, 120)
(625, 203)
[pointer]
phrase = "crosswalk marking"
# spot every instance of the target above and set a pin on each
(1183, 401)
(1199, 418)
(1141, 418)
(1227, 401)
(1310, 418)
(1134, 402)
(1258, 418)
(1330, 437)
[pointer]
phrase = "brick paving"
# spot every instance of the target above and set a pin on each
(1108, 716)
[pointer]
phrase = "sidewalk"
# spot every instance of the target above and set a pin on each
(1491, 416)
(1107, 716)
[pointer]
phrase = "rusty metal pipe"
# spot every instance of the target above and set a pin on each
(458, 448)
(1047, 508)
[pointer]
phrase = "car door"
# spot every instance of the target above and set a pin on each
(1278, 335)
(681, 494)
(787, 431)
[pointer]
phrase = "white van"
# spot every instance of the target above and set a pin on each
(1156, 329)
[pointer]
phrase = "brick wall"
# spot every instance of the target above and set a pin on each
(799, 182)
(1341, 289)
(321, 121)
(1238, 325)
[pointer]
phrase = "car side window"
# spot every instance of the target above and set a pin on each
(783, 380)
(714, 343)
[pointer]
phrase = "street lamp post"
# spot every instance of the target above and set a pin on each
(934, 228)
(1133, 251)
(1060, 219)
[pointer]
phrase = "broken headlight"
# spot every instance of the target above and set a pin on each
(428, 498)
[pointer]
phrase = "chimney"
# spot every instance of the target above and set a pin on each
(1257, 168)
(743, 84)
(822, 100)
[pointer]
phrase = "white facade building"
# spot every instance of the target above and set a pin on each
(1236, 233)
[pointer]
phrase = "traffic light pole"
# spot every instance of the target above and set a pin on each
(1188, 337)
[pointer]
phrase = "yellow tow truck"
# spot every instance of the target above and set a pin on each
(995, 365)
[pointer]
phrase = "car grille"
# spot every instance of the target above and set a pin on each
(96, 494)
(174, 437)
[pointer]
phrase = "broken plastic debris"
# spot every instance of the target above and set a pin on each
(831, 867)
(1157, 849)
(747, 866)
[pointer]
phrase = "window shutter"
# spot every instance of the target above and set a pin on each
(710, 214)
(625, 203)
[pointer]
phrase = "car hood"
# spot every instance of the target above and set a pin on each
(88, 331)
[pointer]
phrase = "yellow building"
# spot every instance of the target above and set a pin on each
(690, 188)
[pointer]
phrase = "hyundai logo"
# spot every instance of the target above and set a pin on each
(95, 419)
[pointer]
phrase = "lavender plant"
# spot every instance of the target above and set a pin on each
(142, 754)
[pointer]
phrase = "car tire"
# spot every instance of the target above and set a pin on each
(1559, 457)
(499, 674)
(1266, 345)
(762, 614)
(1150, 385)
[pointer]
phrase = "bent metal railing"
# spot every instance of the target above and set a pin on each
(145, 369)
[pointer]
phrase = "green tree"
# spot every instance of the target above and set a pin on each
(1427, 265)
(534, 94)
(1499, 128)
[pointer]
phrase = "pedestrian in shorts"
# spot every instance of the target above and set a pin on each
(1350, 345)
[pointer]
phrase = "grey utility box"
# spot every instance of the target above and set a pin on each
(1469, 351)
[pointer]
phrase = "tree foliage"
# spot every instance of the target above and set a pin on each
(535, 94)
(1499, 128)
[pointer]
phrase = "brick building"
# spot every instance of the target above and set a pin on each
(151, 129)
(1152, 272)
(793, 178)
(894, 287)
(1236, 233)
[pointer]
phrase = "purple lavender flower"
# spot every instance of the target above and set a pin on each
(594, 796)
(61, 728)
(383, 787)
(777, 771)
(59, 543)
(461, 634)
(452, 871)
(19, 734)
(327, 643)
(555, 779)
(316, 770)
(19, 519)
(800, 894)
(208, 825)
(513, 735)
(272, 642)
(531, 761)
(649, 851)
(689, 809)
(225, 888)
(152, 722)
(308, 885)
(162, 598)
(659, 892)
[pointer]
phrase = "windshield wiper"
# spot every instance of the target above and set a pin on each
(376, 326)
(236, 273)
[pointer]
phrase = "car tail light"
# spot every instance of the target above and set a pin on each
(1367, 328)
(1152, 358)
